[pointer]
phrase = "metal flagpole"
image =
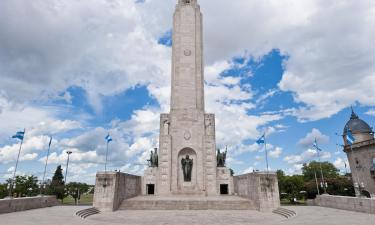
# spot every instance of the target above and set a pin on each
(45, 166)
(15, 169)
(321, 173)
(316, 181)
(106, 157)
(265, 149)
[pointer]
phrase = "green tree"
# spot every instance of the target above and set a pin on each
(26, 186)
(75, 190)
(309, 170)
(3, 191)
(57, 187)
(340, 185)
(293, 185)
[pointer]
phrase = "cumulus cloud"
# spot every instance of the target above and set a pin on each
(306, 156)
(276, 152)
(310, 138)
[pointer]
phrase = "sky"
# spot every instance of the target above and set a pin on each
(78, 70)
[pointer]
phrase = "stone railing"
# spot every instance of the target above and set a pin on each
(21, 204)
(365, 205)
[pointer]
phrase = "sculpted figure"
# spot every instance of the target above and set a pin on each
(187, 166)
(166, 127)
(154, 159)
(221, 158)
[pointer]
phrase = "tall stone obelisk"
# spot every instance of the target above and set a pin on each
(187, 131)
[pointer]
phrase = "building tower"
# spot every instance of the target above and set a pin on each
(361, 155)
(187, 131)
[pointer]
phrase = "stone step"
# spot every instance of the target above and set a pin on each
(87, 212)
(285, 212)
(176, 203)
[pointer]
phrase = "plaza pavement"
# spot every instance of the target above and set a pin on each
(306, 215)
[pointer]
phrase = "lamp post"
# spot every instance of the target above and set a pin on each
(67, 165)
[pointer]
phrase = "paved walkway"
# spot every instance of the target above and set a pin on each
(65, 215)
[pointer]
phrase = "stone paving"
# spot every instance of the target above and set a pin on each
(305, 216)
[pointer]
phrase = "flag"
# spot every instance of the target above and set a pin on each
(261, 140)
(108, 138)
(19, 135)
(349, 136)
(315, 144)
(50, 141)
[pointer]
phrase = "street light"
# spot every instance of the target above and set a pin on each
(67, 165)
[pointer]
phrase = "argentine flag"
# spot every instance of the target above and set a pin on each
(19, 135)
(349, 137)
(315, 144)
(261, 140)
(108, 138)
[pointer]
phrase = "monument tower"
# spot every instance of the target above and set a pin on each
(187, 131)
(186, 172)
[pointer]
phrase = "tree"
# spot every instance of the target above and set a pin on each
(76, 190)
(309, 170)
(336, 186)
(3, 191)
(57, 184)
(26, 186)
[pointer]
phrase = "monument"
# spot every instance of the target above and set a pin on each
(185, 172)
(361, 155)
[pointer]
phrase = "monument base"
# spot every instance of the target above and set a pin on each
(187, 203)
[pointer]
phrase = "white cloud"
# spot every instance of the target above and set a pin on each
(309, 139)
(340, 163)
(306, 156)
(371, 112)
(276, 152)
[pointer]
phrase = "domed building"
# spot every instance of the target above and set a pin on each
(361, 154)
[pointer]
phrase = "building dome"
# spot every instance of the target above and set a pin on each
(359, 128)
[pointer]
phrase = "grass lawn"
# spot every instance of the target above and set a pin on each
(85, 200)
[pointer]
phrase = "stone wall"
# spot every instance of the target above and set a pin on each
(365, 205)
(261, 188)
(22, 204)
(111, 188)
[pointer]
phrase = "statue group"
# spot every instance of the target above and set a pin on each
(221, 158)
(187, 166)
(154, 161)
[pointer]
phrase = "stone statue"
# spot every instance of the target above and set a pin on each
(154, 159)
(208, 126)
(187, 166)
(221, 158)
(166, 127)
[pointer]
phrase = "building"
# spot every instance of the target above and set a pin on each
(361, 155)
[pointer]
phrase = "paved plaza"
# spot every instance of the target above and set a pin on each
(305, 215)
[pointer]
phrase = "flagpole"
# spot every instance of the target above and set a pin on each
(106, 157)
(15, 169)
(265, 149)
(321, 173)
(316, 181)
(45, 166)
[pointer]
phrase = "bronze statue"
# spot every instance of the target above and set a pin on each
(154, 159)
(221, 158)
(187, 166)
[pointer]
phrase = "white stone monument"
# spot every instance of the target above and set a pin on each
(186, 172)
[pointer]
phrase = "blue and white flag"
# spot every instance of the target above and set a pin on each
(315, 145)
(261, 140)
(19, 135)
(108, 138)
(349, 137)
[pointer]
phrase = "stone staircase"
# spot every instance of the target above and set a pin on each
(87, 212)
(187, 203)
(285, 212)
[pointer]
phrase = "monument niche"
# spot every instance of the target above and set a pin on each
(186, 172)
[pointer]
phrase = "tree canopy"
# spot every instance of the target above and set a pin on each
(329, 170)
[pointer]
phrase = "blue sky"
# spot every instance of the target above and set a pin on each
(288, 76)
